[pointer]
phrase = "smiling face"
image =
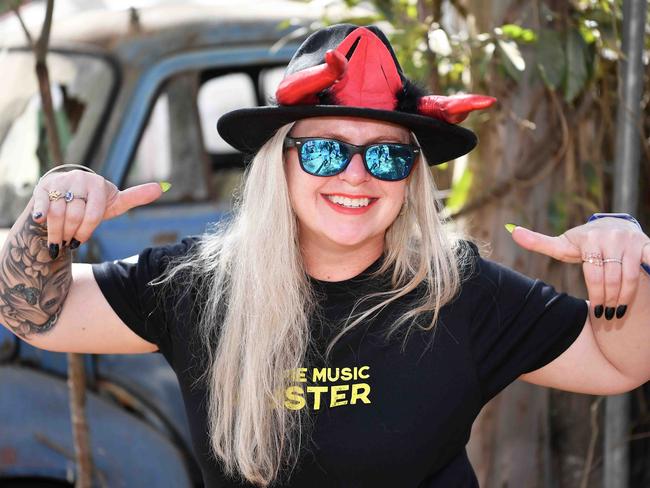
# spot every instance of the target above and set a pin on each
(350, 210)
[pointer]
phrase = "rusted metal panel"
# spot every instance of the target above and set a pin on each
(136, 110)
(182, 21)
(145, 48)
(36, 436)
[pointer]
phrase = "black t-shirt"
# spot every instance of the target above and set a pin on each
(391, 418)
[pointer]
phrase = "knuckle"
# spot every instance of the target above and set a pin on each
(619, 235)
(630, 279)
(57, 211)
(92, 217)
(74, 216)
(612, 280)
(594, 277)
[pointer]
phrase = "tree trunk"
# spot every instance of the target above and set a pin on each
(527, 436)
(76, 369)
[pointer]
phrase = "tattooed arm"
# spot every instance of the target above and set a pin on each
(44, 298)
(33, 286)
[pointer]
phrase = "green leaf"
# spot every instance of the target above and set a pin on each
(518, 33)
(460, 191)
(577, 71)
(8, 5)
(513, 61)
(588, 34)
(513, 31)
(551, 60)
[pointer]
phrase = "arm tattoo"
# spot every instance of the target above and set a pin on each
(32, 286)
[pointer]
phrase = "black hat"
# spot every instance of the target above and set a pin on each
(346, 70)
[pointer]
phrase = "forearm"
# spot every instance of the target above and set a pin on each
(625, 342)
(33, 287)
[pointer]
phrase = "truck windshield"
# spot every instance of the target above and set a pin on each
(81, 85)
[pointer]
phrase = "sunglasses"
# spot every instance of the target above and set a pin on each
(388, 161)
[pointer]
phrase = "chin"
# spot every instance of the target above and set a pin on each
(352, 239)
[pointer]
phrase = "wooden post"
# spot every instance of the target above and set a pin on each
(626, 177)
(76, 370)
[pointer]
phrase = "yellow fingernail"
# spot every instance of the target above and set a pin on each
(165, 185)
(510, 227)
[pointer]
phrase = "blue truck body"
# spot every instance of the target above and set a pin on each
(136, 418)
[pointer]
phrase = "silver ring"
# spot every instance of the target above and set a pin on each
(593, 258)
(69, 196)
(612, 260)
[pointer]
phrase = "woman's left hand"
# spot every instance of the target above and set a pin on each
(612, 285)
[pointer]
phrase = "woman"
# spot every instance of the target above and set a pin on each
(334, 332)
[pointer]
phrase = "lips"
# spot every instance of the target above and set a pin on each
(349, 204)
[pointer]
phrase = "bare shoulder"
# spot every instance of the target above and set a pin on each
(88, 324)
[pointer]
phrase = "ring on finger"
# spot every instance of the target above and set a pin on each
(54, 195)
(613, 260)
(69, 196)
(593, 258)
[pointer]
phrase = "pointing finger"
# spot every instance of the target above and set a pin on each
(560, 248)
(135, 196)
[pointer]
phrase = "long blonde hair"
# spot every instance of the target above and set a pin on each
(254, 324)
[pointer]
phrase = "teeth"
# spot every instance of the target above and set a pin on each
(349, 202)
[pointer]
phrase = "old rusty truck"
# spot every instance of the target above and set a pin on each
(137, 93)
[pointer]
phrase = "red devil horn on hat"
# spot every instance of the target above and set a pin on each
(361, 72)
(453, 109)
(302, 86)
(372, 79)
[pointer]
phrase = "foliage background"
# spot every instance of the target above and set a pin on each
(545, 161)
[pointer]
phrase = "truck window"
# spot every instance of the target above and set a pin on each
(180, 142)
(81, 86)
(171, 147)
(269, 80)
(217, 96)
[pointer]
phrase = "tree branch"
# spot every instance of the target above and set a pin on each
(28, 35)
(44, 40)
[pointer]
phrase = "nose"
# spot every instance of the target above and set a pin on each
(355, 173)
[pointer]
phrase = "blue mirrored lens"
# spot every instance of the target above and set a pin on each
(323, 157)
(389, 161)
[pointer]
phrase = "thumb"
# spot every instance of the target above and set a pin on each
(559, 247)
(135, 196)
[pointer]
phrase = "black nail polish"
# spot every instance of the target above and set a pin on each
(609, 313)
(54, 250)
(37, 215)
(620, 311)
(64, 243)
(598, 311)
(74, 243)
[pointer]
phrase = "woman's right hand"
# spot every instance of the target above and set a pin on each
(72, 223)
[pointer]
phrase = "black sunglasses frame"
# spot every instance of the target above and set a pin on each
(353, 149)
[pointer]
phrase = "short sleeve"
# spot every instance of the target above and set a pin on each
(519, 324)
(126, 286)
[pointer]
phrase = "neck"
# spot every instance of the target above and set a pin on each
(337, 263)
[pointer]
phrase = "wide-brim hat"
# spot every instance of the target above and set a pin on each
(349, 71)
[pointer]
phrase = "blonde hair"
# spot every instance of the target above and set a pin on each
(254, 326)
